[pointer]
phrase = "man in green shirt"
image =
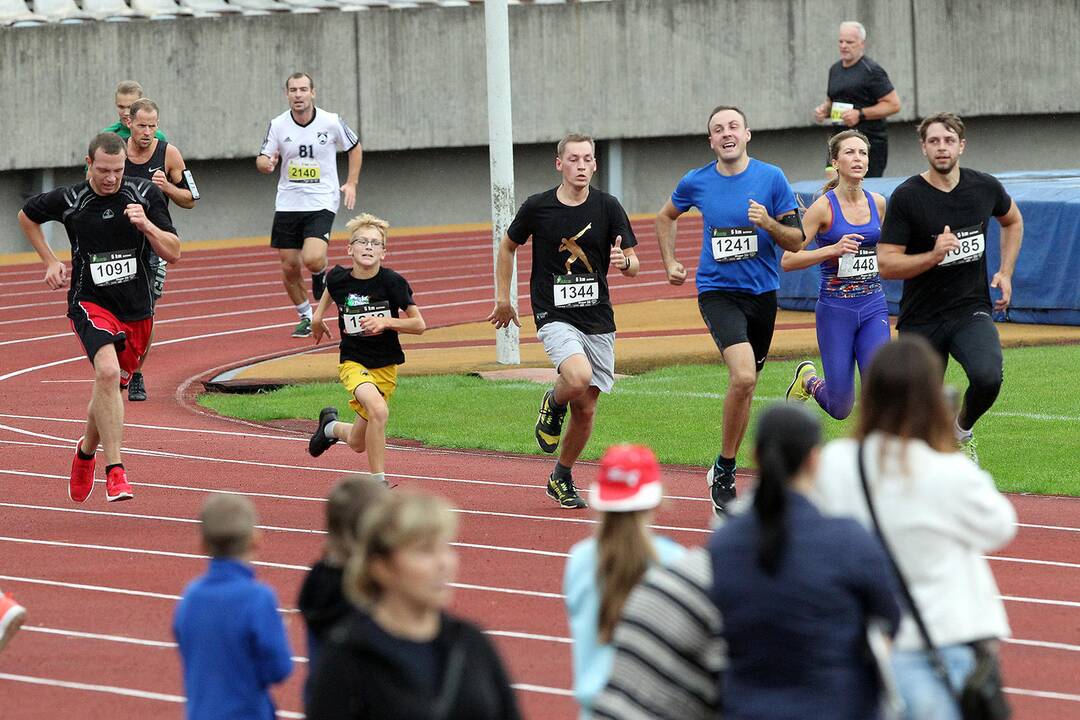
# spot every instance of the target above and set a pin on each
(127, 92)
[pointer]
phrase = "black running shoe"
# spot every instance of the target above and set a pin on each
(318, 284)
(563, 492)
(721, 488)
(549, 423)
(319, 442)
(136, 388)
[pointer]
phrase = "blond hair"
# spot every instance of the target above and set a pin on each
(228, 525)
(365, 220)
(574, 137)
(129, 87)
(345, 506)
(624, 552)
(391, 523)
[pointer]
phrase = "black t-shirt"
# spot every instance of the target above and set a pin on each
(570, 256)
(916, 214)
(862, 85)
(386, 294)
(109, 257)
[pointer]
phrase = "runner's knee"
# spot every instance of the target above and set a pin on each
(742, 381)
(314, 263)
(378, 412)
(576, 375)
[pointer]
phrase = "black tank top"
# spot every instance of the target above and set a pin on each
(147, 169)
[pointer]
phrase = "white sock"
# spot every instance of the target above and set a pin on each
(379, 477)
(328, 431)
(304, 310)
(961, 433)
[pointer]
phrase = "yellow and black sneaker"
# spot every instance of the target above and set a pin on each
(549, 424)
(562, 491)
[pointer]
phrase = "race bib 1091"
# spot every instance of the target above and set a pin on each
(115, 267)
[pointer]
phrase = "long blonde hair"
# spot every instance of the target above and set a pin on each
(624, 552)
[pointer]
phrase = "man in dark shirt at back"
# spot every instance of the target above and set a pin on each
(860, 95)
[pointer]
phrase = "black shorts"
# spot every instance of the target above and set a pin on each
(292, 228)
(735, 317)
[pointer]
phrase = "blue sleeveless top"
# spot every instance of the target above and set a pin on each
(862, 277)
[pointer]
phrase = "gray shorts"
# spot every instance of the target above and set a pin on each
(561, 340)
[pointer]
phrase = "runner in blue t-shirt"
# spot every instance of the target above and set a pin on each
(851, 315)
(750, 217)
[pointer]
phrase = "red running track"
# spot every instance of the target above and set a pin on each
(100, 581)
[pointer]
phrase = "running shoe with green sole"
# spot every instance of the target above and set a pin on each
(797, 391)
(549, 424)
(303, 328)
(969, 447)
(563, 492)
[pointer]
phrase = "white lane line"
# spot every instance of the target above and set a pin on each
(113, 690)
(1042, 644)
(1043, 694)
(1054, 563)
(1041, 601)
(159, 343)
(1048, 527)
(542, 689)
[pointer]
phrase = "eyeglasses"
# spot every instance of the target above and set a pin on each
(368, 242)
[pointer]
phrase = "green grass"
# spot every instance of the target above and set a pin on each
(1028, 441)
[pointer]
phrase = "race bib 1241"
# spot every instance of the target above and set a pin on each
(734, 243)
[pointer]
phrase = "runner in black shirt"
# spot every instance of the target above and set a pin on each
(113, 223)
(860, 95)
(578, 232)
(934, 238)
(374, 304)
(151, 158)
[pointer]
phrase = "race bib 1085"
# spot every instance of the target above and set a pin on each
(573, 291)
(734, 243)
(115, 267)
(972, 245)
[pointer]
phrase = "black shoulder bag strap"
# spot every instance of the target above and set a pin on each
(451, 685)
(931, 649)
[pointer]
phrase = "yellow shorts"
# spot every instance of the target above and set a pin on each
(353, 375)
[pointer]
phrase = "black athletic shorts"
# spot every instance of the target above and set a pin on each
(735, 317)
(292, 228)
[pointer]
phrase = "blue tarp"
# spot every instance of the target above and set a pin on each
(1046, 284)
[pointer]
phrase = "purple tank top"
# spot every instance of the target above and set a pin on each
(850, 275)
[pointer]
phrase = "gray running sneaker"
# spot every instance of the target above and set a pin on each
(303, 328)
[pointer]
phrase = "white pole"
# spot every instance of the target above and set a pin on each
(501, 154)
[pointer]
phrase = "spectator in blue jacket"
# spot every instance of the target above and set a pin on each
(796, 590)
(232, 640)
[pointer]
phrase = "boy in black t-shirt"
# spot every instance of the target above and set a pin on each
(370, 299)
(578, 233)
(934, 239)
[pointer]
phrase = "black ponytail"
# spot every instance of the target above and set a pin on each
(785, 436)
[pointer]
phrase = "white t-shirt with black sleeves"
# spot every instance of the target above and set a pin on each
(308, 178)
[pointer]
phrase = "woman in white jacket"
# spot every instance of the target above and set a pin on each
(939, 512)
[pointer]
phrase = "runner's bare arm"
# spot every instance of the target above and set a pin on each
(411, 324)
(356, 158)
(55, 271)
(665, 235)
(318, 323)
(894, 264)
(1012, 236)
(504, 312)
(172, 177)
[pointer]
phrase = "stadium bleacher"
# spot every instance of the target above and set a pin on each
(18, 13)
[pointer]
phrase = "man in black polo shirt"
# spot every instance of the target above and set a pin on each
(934, 239)
(113, 222)
(860, 95)
(578, 233)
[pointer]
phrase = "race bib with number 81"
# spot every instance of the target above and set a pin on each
(572, 291)
(734, 243)
(352, 316)
(972, 244)
(112, 268)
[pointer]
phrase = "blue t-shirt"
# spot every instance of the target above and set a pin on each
(724, 201)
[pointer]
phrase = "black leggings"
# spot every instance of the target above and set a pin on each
(973, 340)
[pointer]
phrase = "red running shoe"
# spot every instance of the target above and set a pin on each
(82, 476)
(117, 486)
(12, 615)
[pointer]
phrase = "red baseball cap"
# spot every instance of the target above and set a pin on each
(629, 480)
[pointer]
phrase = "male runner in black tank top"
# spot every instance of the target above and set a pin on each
(151, 158)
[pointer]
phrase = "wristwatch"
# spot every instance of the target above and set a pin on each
(862, 116)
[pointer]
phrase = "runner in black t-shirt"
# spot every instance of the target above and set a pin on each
(578, 232)
(934, 238)
(113, 222)
(371, 300)
(151, 158)
(860, 95)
